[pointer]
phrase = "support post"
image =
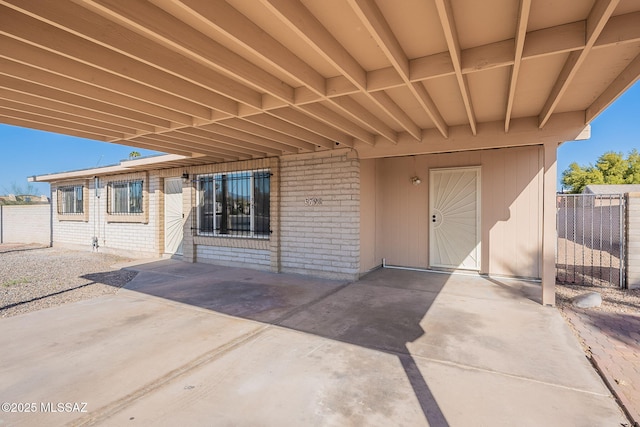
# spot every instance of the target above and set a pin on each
(549, 236)
(189, 195)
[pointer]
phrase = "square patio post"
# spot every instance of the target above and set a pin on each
(549, 225)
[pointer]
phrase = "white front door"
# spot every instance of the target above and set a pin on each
(454, 218)
(173, 216)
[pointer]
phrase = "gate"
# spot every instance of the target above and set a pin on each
(591, 239)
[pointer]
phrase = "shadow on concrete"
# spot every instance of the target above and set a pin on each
(385, 311)
(382, 311)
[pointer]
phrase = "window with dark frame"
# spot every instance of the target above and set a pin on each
(71, 200)
(125, 197)
(234, 204)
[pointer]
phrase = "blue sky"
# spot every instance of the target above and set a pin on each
(616, 129)
(26, 152)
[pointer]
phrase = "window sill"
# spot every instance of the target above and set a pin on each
(128, 218)
(73, 217)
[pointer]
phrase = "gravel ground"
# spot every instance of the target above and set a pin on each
(33, 278)
(614, 300)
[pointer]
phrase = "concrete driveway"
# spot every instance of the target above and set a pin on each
(194, 344)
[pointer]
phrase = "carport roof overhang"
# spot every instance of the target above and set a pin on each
(232, 80)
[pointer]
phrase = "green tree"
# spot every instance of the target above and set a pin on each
(633, 175)
(610, 168)
(134, 154)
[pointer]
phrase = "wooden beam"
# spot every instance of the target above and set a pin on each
(61, 115)
(76, 100)
(445, 13)
(367, 119)
(76, 111)
(52, 62)
(228, 21)
(428, 105)
(295, 144)
(248, 139)
(209, 134)
(376, 24)
(521, 31)
(620, 29)
(596, 21)
(161, 26)
(328, 116)
(54, 121)
(307, 27)
(624, 81)
(16, 25)
(298, 118)
(47, 79)
(55, 128)
(182, 138)
(491, 135)
(148, 141)
(280, 125)
(551, 41)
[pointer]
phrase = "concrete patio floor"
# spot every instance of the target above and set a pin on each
(195, 344)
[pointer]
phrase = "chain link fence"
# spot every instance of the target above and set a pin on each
(590, 239)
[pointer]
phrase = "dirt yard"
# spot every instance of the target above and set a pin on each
(33, 278)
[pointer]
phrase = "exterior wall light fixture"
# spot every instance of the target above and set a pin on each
(185, 177)
(415, 180)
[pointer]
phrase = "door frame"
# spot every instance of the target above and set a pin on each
(478, 171)
(180, 249)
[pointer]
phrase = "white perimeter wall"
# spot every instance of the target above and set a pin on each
(25, 224)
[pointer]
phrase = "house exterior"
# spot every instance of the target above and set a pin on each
(329, 214)
(320, 137)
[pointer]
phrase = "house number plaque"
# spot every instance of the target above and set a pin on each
(312, 201)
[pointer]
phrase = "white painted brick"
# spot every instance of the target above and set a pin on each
(313, 237)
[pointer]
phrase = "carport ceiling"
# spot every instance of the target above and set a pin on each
(252, 78)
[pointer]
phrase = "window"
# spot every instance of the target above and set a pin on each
(234, 204)
(71, 200)
(125, 197)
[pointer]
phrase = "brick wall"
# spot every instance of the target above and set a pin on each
(262, 254)
(25, 224)
(138, 238)
(633, 241)
(234, 257)
(320, 214)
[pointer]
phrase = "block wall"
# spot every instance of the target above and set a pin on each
(135, 236)
(25, 224)
(320, 214)
(633, 241)
(261, 254)
(234, 257)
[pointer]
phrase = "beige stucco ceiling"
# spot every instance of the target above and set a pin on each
(243, 79)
